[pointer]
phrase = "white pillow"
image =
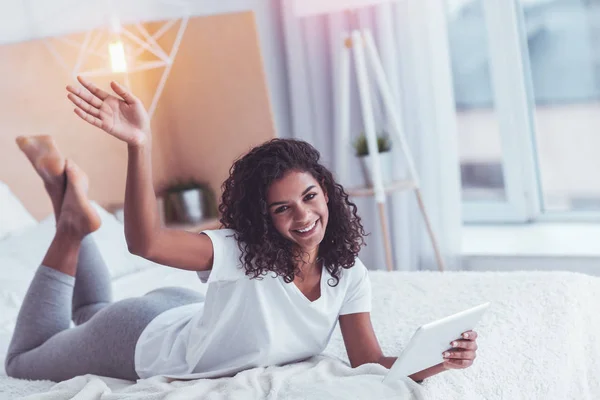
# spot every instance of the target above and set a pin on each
(13, 216)
(29, 247)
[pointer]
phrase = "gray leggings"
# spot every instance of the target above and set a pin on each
(44, 346)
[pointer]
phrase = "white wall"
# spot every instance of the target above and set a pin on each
(24, 20)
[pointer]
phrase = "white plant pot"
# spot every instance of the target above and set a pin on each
(188, 205)
(386, 168)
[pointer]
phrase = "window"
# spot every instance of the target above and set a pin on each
(479, 132)
(527, 92)
(562, 39)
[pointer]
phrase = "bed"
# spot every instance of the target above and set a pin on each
(539, 340)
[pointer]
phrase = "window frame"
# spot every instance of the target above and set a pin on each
(515, 109)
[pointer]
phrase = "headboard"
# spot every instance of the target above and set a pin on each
(215, 107)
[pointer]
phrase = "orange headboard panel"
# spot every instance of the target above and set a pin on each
(215, 106)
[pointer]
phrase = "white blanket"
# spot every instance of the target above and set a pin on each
(539, 340)
(319, 378)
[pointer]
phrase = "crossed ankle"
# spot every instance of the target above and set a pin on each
(74, 230)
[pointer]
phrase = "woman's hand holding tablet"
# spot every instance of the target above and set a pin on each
(449, 342)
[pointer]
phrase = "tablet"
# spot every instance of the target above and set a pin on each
(431, 340)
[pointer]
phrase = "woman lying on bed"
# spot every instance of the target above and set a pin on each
(280, 276)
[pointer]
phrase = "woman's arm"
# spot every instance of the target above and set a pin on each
(142, 221)
(362, 347)
(125, 118)
(143, 231)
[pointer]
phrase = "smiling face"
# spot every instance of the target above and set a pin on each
(298, 208)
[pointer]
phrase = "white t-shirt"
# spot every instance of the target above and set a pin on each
(246, 323)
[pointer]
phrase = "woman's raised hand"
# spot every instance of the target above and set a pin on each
(122, 116)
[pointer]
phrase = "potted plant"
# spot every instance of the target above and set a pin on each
(384, 146)
(188, 202)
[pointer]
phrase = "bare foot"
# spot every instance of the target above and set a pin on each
(43, 154)
(77, 216)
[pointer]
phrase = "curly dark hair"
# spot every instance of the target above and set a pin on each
(244, 209)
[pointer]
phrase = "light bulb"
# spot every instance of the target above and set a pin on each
(117, 56)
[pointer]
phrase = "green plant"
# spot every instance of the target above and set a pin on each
(383, 144)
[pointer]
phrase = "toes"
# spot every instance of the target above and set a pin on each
(77, 209)
(69, 168)
(22, 142)
(72, 168)
(75, 176)
(71, 171)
